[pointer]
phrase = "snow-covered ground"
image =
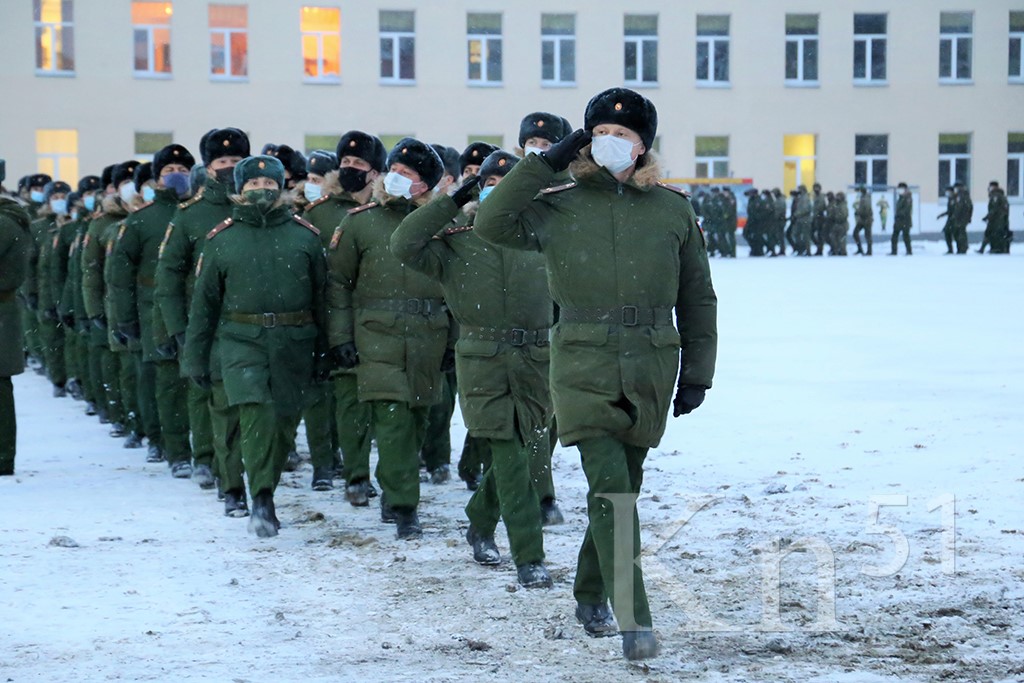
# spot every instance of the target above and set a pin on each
(846, 506)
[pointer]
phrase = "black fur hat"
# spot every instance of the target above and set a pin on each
(124, 171)
(450, 159)
(475, 154)
(90, 183)
(292, 159)
(497, 163)
(51, 188)
(269, 149)
(38, 180)
(540, 124)
(107, 176)
(369, 148)
(418, 156)
(172, 154)
(225, 142)
(75, 199)
(321, 162)
(142, 175)
(202, 145)
(624, 107)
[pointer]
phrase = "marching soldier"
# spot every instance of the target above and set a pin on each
(615, 353)
(819, 219)
(947, 229)
(963, 213)
(863, 218)
(801, 216)
(779, 222)
(997, 232)
(15, 242)
(903, 221)
(839, 225)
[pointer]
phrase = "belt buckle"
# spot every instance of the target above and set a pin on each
(269, 320)
(518, 337)
(413, 306)
(630, 316)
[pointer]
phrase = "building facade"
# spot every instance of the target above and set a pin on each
(782, 92)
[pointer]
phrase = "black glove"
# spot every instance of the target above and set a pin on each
(322, 366)
(688, 398)
(168, 350)
(32, 301)
(448, 361)
(464, 194)
(202, 381)
(68, 320)
(99, 322)
(563, 152)
(130, 330)
(344, 356)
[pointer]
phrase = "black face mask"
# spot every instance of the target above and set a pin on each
(226, 176)
(352, 179)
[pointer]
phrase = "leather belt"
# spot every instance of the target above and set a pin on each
(627, 316)
(514, 337)
(269, 320)
(409, 306)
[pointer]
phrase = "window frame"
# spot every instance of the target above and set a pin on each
(228, 63)
(710, 41)
(1019, 158)
(485, 40)
(57, 159)
(951, 159)
(396, 49)
(869, 160)
(954, 41)
(52, 27)
(1019, 37)
(799, 81)
(556, 40)
(149, 72)
(868, 39)
(709, 160)
(639, 41)
(322, 78)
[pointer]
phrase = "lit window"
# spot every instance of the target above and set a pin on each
(483, 33)
(558, 49)
(57, 154)
(801, 49)
(799, 161)
(148, 144)
(1015, 166)
(151, 31)
(229, 42)
(712, 49)
(321, 44)
(397, 47)
(954, 160)
(712, 156)
(869, 48)
(641, 49)
(1016, 38)
(871, 160)
(955, 47)
(55, 37)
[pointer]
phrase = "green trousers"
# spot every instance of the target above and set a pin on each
(609, 559)
(8, 426)
(227, 444)
(91, 384)
(475, 457)
(355, 427)
(266, 438)
(903, 230)
(437, 443)
(30, 324)
(71, 355)
(172, 407)
(145, 388)
(507, 492)
(399, 429)
(128, 379)
(200, 423)
(318, 416)
(110, 372)
(476, 454)
(51, 336)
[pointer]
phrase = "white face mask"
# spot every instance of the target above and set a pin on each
(614, 153)
(312, 192)
(127, 192)
(397, 185)
(530, 149)
(148, 193)
(59, 206)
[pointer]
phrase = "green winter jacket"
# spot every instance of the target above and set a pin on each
(330, 210)
(904, 211)
(499, 297)
(395, 315)
(15, 243)
(620, 257)
(260, 291)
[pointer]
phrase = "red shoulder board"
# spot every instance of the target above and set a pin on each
(318, 202)
(120, 231)
(360, 209)
(336, 237)
(558, 188)
(85, 242)
(167, 236)
(307, 225)
(456, 231)
(674, 189)
(56, 240)
(221, 227)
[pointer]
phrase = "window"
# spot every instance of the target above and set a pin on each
(321, 44)
(314, 141)
(712, 156)
(55, 37)
(57, 154)
(955, 46)
(799, 161)
(389, 140)
(558, 49)
(871, 160)
(483, 33)
(397, 47)
(869, 48)
(151, 31)
(712, 49)
(1015, 166)
(1016, 38)
(641, 49)
(801, 49)
(148, 144)
(229, 42)
(954, 160)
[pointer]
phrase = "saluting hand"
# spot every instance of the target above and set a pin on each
(563, 152)
(464, 194)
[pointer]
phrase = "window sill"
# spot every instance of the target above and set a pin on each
(228, 79)
(803, 84)
(642, 84)
(152, 75)
(321, 81)
(485, 84)
(868, 83)
(54, 74)
(956, 81)
(558, 84)
(713, 85)
(1016, 80)
(401, 82)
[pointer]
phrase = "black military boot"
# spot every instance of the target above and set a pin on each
(133, 440)
(597, 620)
(203, 475)
(59, 391)
(408, 525)
(117, 430)
(263, 522)
(639, 645)
(101, 412)
(473, 480)
(485, 550)
(387, 513)
(550, 514)
(440, 474)
(323, 478)
(181, 469)
(234, 503)
(533, 575)
(356, 494)
(155, 453)
(74, 389)
(293, 461)
(90, 408)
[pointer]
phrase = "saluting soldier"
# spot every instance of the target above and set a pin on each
(269, 328)
(622, 251)
(15, 242)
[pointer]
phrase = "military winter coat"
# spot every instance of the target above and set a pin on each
(94, 255)
(620, 257)
(499, 297)
(327, 212)
(904, 211)
(863, 211)
(394, 314)
(260, 290)
(15, 242)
